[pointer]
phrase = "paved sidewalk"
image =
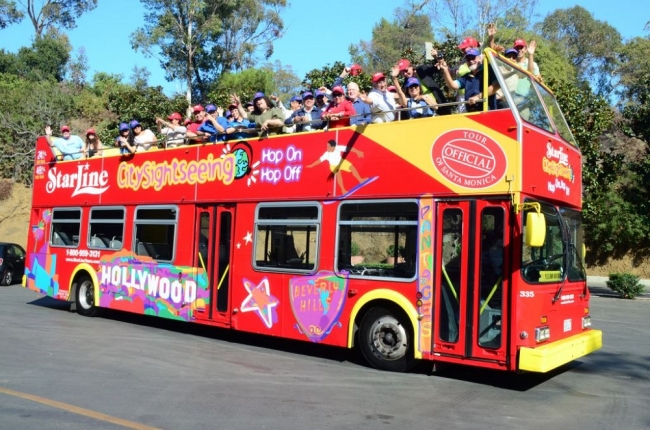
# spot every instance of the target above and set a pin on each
(598, 287)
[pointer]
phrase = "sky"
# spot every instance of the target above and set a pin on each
(311, 39)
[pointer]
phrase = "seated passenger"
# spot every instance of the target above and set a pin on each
(472, 83)
(382, 104)
(339, 110)
(321, 99)
(294, 104)
(123, 141)
(70, 146)
(143, 139)
(173, 131)
(428, 85)
(92, 146)
(193, 134)
(265, 117)
(425, 103)
(237, 126)
(214, 125)
(308, 117)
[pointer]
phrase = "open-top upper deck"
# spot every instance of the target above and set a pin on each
(525, 147)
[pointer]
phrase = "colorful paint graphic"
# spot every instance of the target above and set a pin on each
(336, 157)
(556, 164)
(317, 302)
(142, 285)
(40, 270)
(261, 301)
(425, 275)
(469, 159)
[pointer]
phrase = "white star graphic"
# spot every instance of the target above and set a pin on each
(238, 245)
(256, 294)
(248, 238)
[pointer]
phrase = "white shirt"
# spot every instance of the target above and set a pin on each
(175, 136)
(382, 102)
(144, 140)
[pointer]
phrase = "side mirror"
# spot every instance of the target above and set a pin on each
(535, 229)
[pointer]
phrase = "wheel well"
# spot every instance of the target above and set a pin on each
(392, 306)
(72, 294)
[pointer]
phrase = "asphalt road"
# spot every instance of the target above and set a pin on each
(59, 370)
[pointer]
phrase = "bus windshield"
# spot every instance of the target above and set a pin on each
(531, 99)
(561, 252)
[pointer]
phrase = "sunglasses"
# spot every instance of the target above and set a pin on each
(337, 95)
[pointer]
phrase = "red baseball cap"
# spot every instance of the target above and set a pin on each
(198, 108)
(339, 90)
(392, 89)
(175, 115)
(403, 64)
(468, 42)
(90, 131)
(355, 69)
(519, 42)
(64, 128)
(378, 77)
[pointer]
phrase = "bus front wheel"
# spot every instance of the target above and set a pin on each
(85, 296)
(386, 340)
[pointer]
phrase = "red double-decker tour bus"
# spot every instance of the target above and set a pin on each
(453, 238)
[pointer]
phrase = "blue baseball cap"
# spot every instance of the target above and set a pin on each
(133, 124)
(211, 108)
(296, 99)
(258, 95)
(471, 52)
(123, 126)
(412, 82)
(511, 51)
(307, 94)
(319, 93)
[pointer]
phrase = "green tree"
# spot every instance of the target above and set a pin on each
(45, 14)
(286, 82)
(409, 30)
(591, 45)
(47, 58)
(199, 40)
(245, 84)
(9, 14)
(25, 108)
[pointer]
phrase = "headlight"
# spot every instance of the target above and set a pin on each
(586, 322)
(542, 334)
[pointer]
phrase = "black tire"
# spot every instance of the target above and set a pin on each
(386, 340)
(7, 277)
(85, 296)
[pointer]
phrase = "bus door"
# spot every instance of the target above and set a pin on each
(212, 256)
(470, 289)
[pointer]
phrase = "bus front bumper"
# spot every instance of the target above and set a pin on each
(548, 357)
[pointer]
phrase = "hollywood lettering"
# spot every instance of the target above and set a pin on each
(83, 181)
(469, 159)
(154, 285)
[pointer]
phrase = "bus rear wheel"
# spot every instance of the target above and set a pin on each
(386, 340)
(85, 296)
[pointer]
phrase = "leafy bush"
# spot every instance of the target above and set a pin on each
(625, 284)
(354, 248)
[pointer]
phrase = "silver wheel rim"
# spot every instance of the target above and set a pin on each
(387, 337)
(8, 277)
(86, 295)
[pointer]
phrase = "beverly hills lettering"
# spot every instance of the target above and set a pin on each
(289, 172)
(151, 284)
(83, 182)
(176, 172)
